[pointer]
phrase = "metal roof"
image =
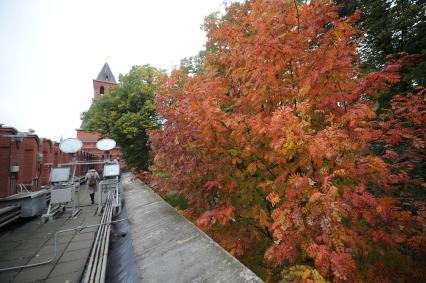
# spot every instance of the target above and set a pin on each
(106, 75)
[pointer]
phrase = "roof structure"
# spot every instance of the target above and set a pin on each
(106, 75)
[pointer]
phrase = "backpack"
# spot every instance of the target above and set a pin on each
(92, 180)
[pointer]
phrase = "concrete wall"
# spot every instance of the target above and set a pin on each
(169, 248)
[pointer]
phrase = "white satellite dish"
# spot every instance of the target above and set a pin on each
(70, 145)
(105, 144)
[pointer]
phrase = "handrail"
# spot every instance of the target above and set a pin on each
(80, 228)
(22, 187)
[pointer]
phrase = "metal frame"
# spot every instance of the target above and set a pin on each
(52, 211)
(110, 184)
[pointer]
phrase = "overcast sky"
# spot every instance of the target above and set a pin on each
(50, 50)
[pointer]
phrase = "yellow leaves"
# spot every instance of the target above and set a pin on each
(324, 171)
(315, 196)
(330, 118)
(263, 218)
(340, 173)
(252, 168)
(289, 149)
(333, 191)
(304, 273)
(304, 90)
(340, 29)
(376, 164)
(273, 198)
(257, 213)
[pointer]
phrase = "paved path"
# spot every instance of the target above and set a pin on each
(32, 242)
(169, 248)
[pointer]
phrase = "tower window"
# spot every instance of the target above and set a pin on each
(102, 90)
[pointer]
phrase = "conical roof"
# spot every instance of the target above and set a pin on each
(106, 75)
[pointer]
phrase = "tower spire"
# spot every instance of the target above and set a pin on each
(106, 75)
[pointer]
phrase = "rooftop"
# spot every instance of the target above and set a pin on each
(106, 74)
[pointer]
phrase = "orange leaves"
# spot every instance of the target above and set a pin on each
(277, 120)
(384, 207)
(221, 216)
(284, 251)
(340, 173)
(321, 254)
(343, 266)
(252, 168)
(212, 185)
(273, 198)
(315, 196)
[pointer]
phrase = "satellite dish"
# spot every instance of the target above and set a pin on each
(70, 145)
(105, 144)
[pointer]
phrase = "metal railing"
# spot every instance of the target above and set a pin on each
(22, 188)
(9, 214)
(55, 248)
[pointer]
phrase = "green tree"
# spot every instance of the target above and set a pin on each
(392, 27)
(126, 113)
(194, 65)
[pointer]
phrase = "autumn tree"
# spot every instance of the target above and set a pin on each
(126, 113)
(270, 145)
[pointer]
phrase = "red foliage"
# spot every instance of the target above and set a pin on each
(274, 135)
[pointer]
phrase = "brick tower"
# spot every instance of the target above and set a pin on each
(104, 81)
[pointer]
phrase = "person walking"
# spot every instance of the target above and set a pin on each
(92, 178)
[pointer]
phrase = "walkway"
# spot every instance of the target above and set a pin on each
(32, 242)
(169, 248)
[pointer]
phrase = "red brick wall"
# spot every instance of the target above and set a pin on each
(56, 153)
(30, 164)
(97, 86)
(23, 152)
(89, 140)
(6, 146)
(47, 150)
(4, 168)
(20, 152)
(17, 158)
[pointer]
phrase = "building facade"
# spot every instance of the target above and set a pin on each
(26, 161)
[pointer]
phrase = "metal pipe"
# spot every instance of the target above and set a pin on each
(105, 256)
(55, 245)
(96, 246)
(10, 220)
(105, 240)
(83, 163)
(104, 237)
(9, 215)
(8, 208)
(104, 247)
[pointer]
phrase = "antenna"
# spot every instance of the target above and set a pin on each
(71, 145)
(105, 144)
